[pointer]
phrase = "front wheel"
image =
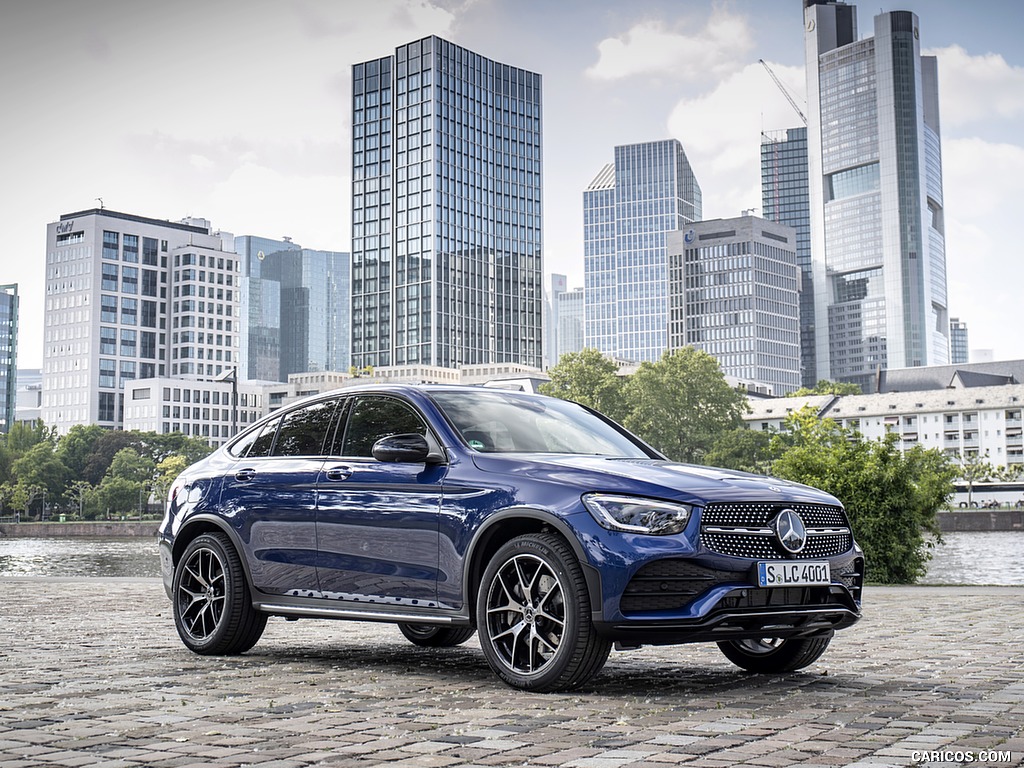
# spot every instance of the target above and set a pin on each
(213, 611)
(430, 636)
(533, 615)
(773, 654)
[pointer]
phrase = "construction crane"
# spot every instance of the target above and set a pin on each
(790, 99)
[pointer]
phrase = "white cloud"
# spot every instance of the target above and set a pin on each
(682, 52)
(256, 200)
(721, 133)
(983, 184)
(975, 89)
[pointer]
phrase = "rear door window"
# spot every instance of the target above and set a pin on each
(304, 430)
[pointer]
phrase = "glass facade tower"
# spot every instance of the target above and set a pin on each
(785, 198)
(8, 354)
(296, 303)
(877, 230)
(628, 209)
(446, 209)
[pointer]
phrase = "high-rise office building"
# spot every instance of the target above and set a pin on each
(296, 306)
(958, 344)
(556, 286)
(8, 355)
(570, 314)
(446, 209)
(785, 198)
(733, 289)
(875, 173)
(127, 298)
(628, 209)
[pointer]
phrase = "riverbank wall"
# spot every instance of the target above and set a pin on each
(982, 520)
(100, 529)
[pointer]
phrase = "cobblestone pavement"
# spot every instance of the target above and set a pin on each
(93, 674)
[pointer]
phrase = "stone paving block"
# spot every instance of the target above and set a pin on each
(909, 677)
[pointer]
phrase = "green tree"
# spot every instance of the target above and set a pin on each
(158, 447)
(682, 403)
(589, 378)
(77, 493)
(76, 447)
(117, 496)
(130, 465)
(166, 473)
(746, 450)
(891, 498)
(40, 466)
(826, 387)
(21, 436)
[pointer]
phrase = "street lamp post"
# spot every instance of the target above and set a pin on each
(231, 374)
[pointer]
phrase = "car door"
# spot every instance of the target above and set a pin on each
(377, 522)
(270, 495)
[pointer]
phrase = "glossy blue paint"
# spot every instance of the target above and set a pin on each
(352, 530)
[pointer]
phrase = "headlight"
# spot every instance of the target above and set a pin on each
(636, 515)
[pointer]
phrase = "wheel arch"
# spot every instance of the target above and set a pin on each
(199, 525)
(517, 521)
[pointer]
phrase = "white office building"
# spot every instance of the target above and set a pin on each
(131, 298)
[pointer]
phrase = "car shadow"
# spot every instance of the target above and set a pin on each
(464, 667)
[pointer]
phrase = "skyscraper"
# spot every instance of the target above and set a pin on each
(296, 306)
(557, 285)
(446, 209)
(8, 355)
(958, 344)
(733, 287)
(629, 207)
(877, 231)
(785, 198)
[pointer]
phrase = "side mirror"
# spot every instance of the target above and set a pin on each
(409, 448)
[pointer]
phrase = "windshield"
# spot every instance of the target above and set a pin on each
(502, 422)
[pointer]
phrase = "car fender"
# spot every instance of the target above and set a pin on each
(475, 561)
(206, 522)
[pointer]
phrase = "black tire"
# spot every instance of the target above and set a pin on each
(213, 610)
(432, 636)
(534, 586)
(773, 655)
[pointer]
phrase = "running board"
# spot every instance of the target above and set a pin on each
(280, 609)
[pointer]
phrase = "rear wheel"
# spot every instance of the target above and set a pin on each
(533, 615)
(431, 636)
(773, 654)
(213, 610)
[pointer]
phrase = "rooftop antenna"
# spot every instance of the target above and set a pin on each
(101, 202)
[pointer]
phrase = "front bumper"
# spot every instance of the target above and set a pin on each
(740, 613)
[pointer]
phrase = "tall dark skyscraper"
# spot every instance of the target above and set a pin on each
(628, 209)
(446, 209)
(785, 198)
(876, 204)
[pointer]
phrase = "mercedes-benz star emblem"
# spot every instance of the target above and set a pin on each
(790, 530)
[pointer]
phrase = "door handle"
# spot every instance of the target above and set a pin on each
(339, 473)
(245, 475)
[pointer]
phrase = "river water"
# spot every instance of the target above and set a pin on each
(963, 558)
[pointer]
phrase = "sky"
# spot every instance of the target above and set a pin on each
(237, 111)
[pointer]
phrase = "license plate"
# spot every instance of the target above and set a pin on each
(793, 574)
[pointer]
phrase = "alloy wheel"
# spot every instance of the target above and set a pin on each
(525, 614)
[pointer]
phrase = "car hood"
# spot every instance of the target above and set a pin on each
(691, 483)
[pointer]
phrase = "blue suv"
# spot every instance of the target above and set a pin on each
(540, 524)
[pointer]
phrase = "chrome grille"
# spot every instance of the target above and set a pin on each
(743, 530)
